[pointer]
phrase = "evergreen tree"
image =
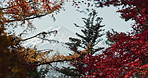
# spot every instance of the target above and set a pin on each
(91, 34)
(87, 42)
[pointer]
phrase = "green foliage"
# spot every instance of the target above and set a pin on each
(85, 44)
(38, 73)
(92, 31)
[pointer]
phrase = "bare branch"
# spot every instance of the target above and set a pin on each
(42, 33)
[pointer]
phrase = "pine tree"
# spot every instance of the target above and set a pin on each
(91, 34)
(92, 31)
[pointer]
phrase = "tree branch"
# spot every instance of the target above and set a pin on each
(51, 62)
(38, 16)
(42, 33)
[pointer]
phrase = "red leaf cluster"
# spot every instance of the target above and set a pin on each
(128, 56)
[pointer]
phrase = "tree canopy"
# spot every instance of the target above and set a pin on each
(126, 57)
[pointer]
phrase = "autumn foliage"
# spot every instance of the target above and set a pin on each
(17, 61)
(128, 56)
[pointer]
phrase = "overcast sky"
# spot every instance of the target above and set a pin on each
(66, 18)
